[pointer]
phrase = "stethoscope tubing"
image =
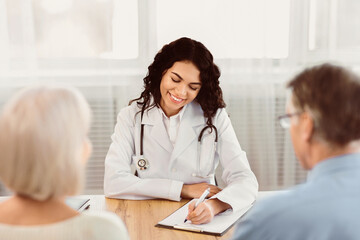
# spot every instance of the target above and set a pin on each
(212, 127)
(142, 139)
(144, 164)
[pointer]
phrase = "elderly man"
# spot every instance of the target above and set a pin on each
(323, 115)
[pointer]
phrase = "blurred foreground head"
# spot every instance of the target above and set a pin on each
(43, 142)
(331, 96)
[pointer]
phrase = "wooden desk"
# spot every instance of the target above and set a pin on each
(140, 217)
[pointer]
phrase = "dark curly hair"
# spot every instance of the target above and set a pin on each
(184, 49)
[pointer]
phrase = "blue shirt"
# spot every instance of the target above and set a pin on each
(327, 206)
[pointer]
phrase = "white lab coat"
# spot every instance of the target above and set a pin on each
(172, 166)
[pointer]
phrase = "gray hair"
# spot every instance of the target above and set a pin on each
(43, 131)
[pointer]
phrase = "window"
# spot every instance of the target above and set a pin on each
(73, 29)
(332, 31)
(230, 29)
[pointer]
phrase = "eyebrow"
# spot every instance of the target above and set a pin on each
(197, 83)
(177, 75)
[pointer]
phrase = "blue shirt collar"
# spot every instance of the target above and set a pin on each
(334, 164)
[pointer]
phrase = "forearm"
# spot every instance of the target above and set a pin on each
(125, 185)
(196, 190)
(217, 206)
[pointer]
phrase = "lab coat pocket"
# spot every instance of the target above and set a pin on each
(207, 155)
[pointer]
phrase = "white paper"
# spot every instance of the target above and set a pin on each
(218, 225)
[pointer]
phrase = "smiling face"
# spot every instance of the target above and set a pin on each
(179, 86)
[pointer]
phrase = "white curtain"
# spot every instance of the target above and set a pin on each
(254, 101)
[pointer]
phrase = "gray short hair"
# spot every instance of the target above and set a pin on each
(43, 130)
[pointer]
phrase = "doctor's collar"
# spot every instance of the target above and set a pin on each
(179, 114)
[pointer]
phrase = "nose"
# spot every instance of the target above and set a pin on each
(181, 90)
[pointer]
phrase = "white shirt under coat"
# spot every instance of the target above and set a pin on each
(172, 124)
(171, 166)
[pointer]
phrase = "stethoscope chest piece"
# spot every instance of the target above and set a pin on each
(142, 164)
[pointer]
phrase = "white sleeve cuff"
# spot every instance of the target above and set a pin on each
(175, 190)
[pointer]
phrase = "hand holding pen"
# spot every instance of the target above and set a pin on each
(195, 212)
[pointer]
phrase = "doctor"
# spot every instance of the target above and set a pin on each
(176, 133)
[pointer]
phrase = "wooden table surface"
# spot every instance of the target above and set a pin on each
(141, 216)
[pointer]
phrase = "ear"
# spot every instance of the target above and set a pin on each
(307, 126)
(87, 150)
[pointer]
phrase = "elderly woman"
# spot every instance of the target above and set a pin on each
(44, 148)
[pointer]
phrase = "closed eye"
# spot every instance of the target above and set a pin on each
(193, 88)
(174, 80)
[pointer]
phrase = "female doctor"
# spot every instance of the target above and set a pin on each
(175, 134)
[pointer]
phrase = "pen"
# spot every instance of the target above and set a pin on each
(201, 199)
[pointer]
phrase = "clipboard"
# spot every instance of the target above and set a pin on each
(220, 224)
(78, 203)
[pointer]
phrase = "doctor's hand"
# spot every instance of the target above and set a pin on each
(205, 211)
(195, 190)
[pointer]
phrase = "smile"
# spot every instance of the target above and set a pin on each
(175, 99)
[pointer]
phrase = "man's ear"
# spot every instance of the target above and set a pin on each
(307, 126)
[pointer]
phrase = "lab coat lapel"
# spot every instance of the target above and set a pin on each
(158, 131)
(193, 116)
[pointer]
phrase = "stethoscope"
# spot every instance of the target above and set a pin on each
(143, 164)
(198, 172)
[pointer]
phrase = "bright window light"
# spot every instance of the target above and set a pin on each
(312, 25)
(229, 28)
(86, 29)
